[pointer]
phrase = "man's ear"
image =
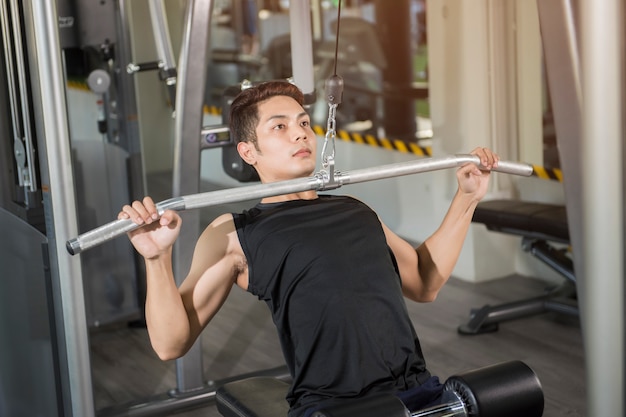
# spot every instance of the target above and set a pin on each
(247, 152)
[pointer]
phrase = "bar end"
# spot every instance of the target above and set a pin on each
(72, 246)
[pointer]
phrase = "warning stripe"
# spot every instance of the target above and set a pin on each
(548, 173)
(213, 110)
(426, 151)
(78, 85)
(553, 174)
(385, 143)
(404, 147)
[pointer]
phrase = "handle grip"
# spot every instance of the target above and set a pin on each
(116, 228)
(514, 168)
(100, 235)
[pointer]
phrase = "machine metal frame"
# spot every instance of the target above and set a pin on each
(584, 54)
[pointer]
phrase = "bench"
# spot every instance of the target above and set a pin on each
(542, 228)
(261, 396)
(510, 389)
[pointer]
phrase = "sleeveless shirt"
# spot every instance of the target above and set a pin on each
(324, 269)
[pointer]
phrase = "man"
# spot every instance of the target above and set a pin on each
(332, 274)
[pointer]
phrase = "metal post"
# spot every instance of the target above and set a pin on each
(560, 45)
(161, 33)
(193, 63)
(602, 191)
(55, 160)
(302, 47)
(127, 104)
(163, 44)
(593, 178)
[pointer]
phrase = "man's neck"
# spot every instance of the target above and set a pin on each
(304, 195)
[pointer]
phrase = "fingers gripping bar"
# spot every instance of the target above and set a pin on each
(320, 181)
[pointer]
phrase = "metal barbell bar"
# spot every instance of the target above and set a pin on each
(321, 181)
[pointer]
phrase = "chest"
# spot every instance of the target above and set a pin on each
(300, 251)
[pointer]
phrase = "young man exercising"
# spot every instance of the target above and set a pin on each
(337, 303)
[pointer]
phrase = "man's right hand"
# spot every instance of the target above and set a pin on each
(157, 235)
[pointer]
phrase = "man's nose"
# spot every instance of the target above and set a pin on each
(302, 133)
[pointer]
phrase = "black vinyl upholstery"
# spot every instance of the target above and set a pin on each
(539, 220)
(510, 389)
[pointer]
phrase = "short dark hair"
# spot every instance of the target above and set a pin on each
(244, 114)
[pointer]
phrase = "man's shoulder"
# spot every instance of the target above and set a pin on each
(221, 233)
(222, 225)
(222, 219)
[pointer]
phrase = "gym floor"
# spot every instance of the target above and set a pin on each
(242, 339)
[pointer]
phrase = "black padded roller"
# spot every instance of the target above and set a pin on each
(509, 389)
(375, 406)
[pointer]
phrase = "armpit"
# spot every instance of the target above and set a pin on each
(241, 272)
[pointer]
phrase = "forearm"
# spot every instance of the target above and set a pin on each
(440, 252)
(436, 258)
(166, 316)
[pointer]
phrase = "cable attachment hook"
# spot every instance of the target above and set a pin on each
(331, 134)
(334, 94)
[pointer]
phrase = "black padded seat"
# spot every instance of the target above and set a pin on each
(509, 389)
(540, 225)
(539, 220)
(260, 396)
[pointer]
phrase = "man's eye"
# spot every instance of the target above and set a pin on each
(279, 126)
(306, 123)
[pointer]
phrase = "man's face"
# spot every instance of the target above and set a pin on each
(285, 140)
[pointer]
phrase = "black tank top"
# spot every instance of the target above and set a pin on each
(331, 282)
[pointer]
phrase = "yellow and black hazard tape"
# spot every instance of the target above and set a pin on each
(389, 144)
(213, 110)
(548, 173)
(78, 84)
(371, 140)
(554, 174)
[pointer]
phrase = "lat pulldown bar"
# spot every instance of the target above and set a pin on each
(322, 180)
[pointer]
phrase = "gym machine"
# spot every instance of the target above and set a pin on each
(43, 340)
(508, 389)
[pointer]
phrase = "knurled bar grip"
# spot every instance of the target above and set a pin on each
(319, 182)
